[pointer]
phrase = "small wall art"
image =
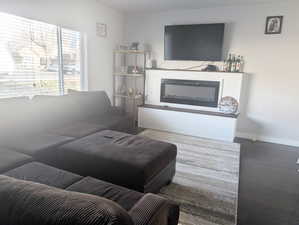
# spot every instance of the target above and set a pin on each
(101, 30)
(274, 25)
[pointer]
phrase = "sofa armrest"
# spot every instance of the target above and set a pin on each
(155, 210)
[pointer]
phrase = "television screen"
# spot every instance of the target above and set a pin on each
(202, 42)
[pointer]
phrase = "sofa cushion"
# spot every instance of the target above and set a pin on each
(53, 111)
(14, 115)
(114, 121)
(144, 209)
(44, 174)
(77, 129)
(125, 197)
(34, 144)
(92, 103)
(10, 159)
(28, 203)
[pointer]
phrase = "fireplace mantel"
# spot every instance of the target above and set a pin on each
(188, 70)
(208, 113)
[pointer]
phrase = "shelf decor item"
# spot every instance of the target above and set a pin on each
(274, 25)
(123, 47)
(228, 105)
(233, 64)
(154, 64)
(135, 70)
(134, 46)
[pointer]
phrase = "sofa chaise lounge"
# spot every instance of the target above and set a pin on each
(35, 193)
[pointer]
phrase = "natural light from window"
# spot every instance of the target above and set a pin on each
(37, 58)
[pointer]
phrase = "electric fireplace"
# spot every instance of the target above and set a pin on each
(190, 92)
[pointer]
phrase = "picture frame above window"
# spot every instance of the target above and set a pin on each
(274, 25)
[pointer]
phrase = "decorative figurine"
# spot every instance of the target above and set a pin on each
(228, 105)
(134, 46)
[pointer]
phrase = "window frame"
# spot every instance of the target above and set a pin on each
(83, 62)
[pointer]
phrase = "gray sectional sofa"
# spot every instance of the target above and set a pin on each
(67, 160)
(77, 114)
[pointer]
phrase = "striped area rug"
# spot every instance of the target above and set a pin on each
(206, 180)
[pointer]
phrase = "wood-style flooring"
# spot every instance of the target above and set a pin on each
(206, 180)
(268, 182)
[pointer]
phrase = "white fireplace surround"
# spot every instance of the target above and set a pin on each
(230, 85)
(205, 125)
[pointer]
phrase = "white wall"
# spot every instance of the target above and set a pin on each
(80, 15)
(271, 94)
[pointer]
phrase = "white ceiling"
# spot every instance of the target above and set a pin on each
(164, 5)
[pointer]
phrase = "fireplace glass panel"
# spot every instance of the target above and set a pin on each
(190, 92)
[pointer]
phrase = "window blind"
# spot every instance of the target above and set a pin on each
(37, 58)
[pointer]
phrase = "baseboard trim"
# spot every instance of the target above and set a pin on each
(246, 136)
(281, 141)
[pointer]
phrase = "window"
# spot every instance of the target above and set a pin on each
(37, 58)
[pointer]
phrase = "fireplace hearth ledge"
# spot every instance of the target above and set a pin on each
(210, 113)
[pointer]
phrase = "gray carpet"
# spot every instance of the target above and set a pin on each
(206, 181)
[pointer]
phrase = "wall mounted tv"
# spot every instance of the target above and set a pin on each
(201, 42)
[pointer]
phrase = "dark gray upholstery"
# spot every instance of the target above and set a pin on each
(10, 159)
(42, 130)
(115, 120)
(79, 114)
(124, 197)
(54, 111)
(93, 104)
(34, 144)
(28, 203)
(146, 209)
(143, 209)
(78, 129)
(13, 113)
(158, 211)
(96, 109)
(123, 159)
(44, 174)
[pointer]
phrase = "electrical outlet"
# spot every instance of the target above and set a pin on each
(298, 161)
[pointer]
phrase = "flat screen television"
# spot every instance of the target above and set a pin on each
(201, 42)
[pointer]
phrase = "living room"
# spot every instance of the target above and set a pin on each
(207, 165)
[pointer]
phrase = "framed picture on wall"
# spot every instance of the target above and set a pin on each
(101, 30)
(274, 25)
